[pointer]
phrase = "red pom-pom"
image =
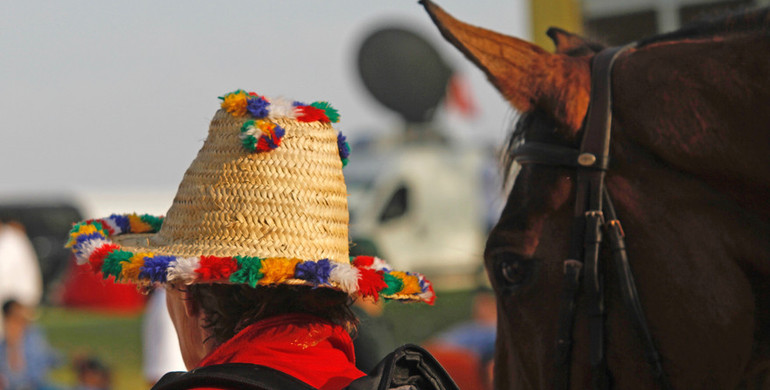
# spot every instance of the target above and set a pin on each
(99, 254)
(216, 268)
(363, 261)
(432, 298)
(370, 283)
(311, 114)
(262, 145)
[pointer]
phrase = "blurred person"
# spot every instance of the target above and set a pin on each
(92, 374)
(254, 249)
(20, 277)
(25, 356)
(467, 349)
(160, 348)
(478, 334)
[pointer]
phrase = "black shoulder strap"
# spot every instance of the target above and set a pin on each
(240, 376)
(407, 365)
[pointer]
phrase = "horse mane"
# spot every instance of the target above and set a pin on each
(732, 23)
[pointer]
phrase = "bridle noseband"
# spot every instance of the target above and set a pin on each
(593, 211)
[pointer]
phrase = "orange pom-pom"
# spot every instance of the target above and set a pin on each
(276, 270)
(236, 103)
(411, 283)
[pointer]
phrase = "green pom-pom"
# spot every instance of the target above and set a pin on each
(394, 284)
(331, 112)
(250, 271)
(153, 221)
(112, 263)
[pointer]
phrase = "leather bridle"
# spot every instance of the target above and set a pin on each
(593, 211)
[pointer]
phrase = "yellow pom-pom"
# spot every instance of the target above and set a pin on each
(235, 103)
(277, 269)
(137, 225)
(411, 283)
(131, 268)
(83, 229)
(266, 126)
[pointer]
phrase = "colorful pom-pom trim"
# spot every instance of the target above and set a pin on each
(364, 276)
(344, 148)
(262, 135)
(239, 103)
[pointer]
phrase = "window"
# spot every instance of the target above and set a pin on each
(397, 206)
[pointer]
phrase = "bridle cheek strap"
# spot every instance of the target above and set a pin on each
(593, 215)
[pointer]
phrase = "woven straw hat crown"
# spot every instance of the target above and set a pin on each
(289, 202)
(263, 203)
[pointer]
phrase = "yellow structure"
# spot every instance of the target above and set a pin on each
(565, 14)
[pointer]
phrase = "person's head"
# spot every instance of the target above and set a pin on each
(205, 315)
(92, 373)
(258, 228)
(16, 319)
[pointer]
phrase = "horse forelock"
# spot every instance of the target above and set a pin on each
(534, 125)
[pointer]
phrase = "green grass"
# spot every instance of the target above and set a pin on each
(116, 339)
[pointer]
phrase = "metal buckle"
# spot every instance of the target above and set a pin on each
(572, 263)
(616, 222)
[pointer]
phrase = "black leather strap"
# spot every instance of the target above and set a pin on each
(630, 295)
(593, 210)
(585, 242)
(235, 376)
(408, 365)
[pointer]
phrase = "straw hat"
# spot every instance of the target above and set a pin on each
(264, 203)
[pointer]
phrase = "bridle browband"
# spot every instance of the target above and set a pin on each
(593, 211)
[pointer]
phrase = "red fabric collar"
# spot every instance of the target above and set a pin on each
(303, 346)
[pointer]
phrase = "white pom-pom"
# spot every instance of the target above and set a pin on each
(84, 249)
(114, 226)
(346, 276)
(183, 270)
(281, 107)
(380, 265)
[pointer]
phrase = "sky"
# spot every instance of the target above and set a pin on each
(116, 96)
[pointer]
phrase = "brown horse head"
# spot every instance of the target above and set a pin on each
(690, 179)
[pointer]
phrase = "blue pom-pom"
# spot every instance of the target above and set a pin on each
(273, 142)
(344, 148)
(155, 268)
(122, 222)
(315, 272)
(257, 107)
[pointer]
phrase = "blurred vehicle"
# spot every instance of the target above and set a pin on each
(416, 199)
(418, 205)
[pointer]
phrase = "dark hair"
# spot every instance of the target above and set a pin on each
(229, 308)
(8, 305)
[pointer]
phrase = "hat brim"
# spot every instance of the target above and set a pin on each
(128, 248)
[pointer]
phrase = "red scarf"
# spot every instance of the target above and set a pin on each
(303, 346)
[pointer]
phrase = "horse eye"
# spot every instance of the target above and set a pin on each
(513, 271)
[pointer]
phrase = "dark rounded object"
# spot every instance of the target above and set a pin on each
(403, 72)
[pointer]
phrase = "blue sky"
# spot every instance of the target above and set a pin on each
(118, 95)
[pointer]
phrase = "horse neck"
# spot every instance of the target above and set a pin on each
(702, 107)
(647, 192)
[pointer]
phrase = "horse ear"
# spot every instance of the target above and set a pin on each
(527, 76)
(572, 44)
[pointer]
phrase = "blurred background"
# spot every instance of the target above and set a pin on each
(105, 104)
